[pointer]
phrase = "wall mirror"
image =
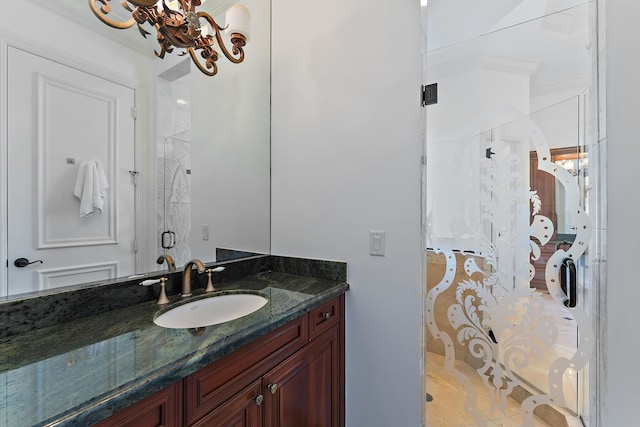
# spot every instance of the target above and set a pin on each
(185, 157)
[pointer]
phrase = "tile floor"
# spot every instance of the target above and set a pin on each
(446, 408)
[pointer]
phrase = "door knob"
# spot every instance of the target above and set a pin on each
(258, 399)
(273, 388)
(23, 262)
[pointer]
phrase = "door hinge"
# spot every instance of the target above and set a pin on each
(134, 177)
(429, 94)
(134, 247)
(134, 113)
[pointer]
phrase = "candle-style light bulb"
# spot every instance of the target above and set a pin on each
(238, 20)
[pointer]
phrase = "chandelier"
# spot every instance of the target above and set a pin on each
(179, 25)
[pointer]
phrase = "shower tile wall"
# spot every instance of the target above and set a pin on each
(174, 166)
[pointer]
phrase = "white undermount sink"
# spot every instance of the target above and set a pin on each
(210, 311)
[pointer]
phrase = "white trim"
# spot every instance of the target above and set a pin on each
(598, 375)
(145, 191)
(64, 58)
(111, 237)
(46, 274)
(4, 282)
(578, 84)
(502, 64)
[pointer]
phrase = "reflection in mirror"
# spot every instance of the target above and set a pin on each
(213, 139)
(576, 162)
(194, 181)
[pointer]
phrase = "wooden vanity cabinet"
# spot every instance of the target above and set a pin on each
(304, 390)
(291, 377)
(209, 387)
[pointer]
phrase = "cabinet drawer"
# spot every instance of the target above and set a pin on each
(323, 317)
(243, 409)
(211, 386)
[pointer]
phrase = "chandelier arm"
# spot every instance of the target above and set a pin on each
(176, 29)
(188, 6)
(194, 57)
(100, 13)
(143, 3)
(238, 41)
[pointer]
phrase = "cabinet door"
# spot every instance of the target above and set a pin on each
(242, 410)
(162, 409)
(211, 386)
(304, 390)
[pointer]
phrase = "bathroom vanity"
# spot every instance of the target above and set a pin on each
(292, 376)
(282, 365)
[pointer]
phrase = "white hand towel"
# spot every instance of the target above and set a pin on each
(90, 187)
(100, 186)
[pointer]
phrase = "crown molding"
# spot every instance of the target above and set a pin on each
(78, 11)
(577, 84)
(504, 64)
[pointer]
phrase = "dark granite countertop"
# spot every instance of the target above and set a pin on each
(78, 372)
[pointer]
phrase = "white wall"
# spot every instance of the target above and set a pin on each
(475, 92)
(346, 149)
(620, 388)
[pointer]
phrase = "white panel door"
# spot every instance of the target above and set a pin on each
(62, 120)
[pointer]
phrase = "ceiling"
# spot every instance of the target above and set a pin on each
(453, 21)
(554, 34)
(79, 11)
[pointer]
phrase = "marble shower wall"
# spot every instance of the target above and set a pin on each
(173, 139)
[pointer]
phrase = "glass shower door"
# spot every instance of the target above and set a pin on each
(174, 162)
(511, 342)
(509, 334)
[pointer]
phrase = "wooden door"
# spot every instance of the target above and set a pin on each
(60, 120)
(304, 390)
(545, 187)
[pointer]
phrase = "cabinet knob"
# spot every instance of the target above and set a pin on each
(273, 388)
(326, 315)
(258, 399)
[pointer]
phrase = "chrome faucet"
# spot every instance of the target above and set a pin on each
(186, 275)
(171, 265)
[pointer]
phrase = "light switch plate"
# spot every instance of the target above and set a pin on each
(377, 243)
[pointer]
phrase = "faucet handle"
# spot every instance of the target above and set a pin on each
(210, 287)
(163, 295)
